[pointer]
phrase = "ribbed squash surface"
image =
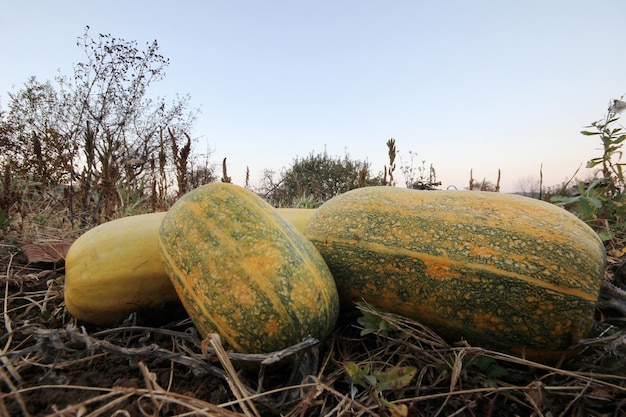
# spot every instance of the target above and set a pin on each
(502, 271)
(243, 271)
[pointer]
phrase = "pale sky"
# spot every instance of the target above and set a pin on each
(466, 85)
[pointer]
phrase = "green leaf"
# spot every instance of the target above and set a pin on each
(619, 139)
(606, 235)
(395, 378)
(359, 376)
(564, 201)
(612, 149)
(586, 208)
(588, 133)
(374, 324)
(593, 162)
(370, 323)
(595, 183)
(596, 202)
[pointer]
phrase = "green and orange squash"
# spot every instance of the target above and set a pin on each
(243, 271)
(115, 268)
(504, 272)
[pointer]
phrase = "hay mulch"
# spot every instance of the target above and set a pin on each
(376, 364)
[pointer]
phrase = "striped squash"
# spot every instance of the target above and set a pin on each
(241, 270)
(501, 271)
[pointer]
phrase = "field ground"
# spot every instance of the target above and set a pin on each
(153, 364)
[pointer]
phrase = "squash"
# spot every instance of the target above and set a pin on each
(299, 217)
(115, 269)
(241, 270)
(103, 283)
(504, 272)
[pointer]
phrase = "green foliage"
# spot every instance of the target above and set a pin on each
(395, 378)
(495, 370)
(377, 382)
(306, 201)
(592, 204)
(362, 377)
(373, 323)
(318, 177)
(612, 139)
(601, 203)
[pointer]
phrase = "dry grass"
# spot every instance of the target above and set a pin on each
(155, 364)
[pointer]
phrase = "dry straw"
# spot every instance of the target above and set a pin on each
(376, 364)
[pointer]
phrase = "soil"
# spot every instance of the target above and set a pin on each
(63, 368)
(154, 364)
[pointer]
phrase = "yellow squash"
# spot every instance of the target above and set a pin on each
(115, 269)
(299, 217)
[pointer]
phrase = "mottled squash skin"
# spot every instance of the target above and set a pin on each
(244, 272)
(115, 269)
(502, 271)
